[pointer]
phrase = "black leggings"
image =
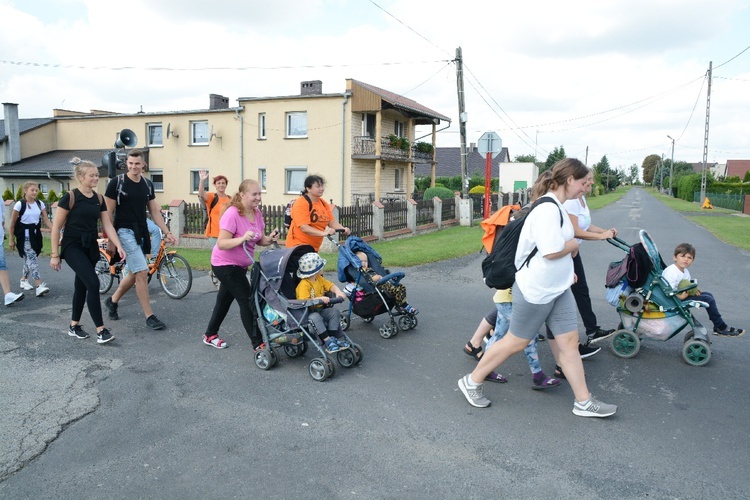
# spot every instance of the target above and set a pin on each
(234, 286)
(86, 284)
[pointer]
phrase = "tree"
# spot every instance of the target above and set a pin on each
(606, 175)
(649, 166)
(747, 177)
(525, 159)
(555, 156)
(633, 177)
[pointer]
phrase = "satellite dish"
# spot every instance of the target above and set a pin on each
(169, 131)
(211, 135)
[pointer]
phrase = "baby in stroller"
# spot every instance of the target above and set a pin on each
(397, 291)
(325, 318)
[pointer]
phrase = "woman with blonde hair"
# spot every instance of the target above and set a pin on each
(78, 212)
(541, 292)
(241, 227)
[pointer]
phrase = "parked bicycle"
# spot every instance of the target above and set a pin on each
(172, 270)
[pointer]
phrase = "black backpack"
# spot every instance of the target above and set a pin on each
(214, 202)
(288, 211)
(499, 268)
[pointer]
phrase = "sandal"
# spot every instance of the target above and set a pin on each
(496, 377)
(214, 341)
(546, 383)
(559, 373)
(473, 351)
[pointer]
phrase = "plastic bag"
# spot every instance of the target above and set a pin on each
(614, 293)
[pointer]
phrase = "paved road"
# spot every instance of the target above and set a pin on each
(158, 414)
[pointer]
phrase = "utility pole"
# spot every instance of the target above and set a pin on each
(671, 167)
(705, 138)
(462, 120)
(587, 157)
(661, 174)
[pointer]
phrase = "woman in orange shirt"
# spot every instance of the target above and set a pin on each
(312, 217)
(214, 203)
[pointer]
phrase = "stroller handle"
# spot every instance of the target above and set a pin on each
(619, 243)
(330, 237)
(396, 277)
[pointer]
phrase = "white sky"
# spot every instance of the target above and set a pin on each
(615, 76)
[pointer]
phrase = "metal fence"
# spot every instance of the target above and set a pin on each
(394, 216)
(449, 209)
(425, 212)
(358, 218)
(728, 201)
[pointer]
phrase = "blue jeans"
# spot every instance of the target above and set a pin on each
(504, 310)
(3, 265)
(713, 310)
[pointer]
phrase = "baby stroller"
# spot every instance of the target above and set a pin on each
(648, 305)
(366, 299)
(284, 322)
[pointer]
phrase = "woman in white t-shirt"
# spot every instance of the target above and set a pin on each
(10, 296)
(580, 215)
(541, 293)
(26, 229)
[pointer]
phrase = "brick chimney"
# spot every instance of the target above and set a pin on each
(311, 87)
(216, 101)
(13, 131)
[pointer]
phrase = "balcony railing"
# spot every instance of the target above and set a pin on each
(365, 146)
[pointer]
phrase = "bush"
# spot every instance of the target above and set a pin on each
(728, 188)
(8, 194)
(441, 192)
(477, 190)
(689, 184)
(423, 147)
(747, 177)
(52, 197)
(40, 196)
(19, 194)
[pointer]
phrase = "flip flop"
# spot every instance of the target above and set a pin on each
(547, 383)
(496, 377)
(473, 351)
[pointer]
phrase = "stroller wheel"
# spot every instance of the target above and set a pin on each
(696, 352)
(357, 353)
(294, 350)
(265, 359)
(345, 322)
(368, 319)
(318, 369)
(625, 344)
(388, 330)
(346, 358)
(407, 322)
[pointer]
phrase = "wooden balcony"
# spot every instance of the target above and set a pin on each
(363, 147)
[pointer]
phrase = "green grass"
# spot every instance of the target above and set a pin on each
(685, 206)
(734, 230)
(605, 199)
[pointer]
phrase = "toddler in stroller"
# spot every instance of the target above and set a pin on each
(372, 289)
(290, 324)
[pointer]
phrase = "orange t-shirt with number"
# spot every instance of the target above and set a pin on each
(318, 217)
(214, 214)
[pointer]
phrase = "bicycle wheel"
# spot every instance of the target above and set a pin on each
(102, 272)
(175, 276)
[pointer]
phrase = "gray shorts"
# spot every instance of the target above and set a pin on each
(561, 315)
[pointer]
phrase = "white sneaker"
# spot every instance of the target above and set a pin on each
(42, 290)
(11, 298)
(25, 285)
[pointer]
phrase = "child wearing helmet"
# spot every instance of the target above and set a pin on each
(313, 285)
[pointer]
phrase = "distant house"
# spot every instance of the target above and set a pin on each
(512, 176)
(360, 140)
(737, 168)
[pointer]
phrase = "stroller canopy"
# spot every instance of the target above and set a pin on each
(347, 257)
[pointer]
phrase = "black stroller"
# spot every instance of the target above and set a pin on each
(366, 299)
(284, 322)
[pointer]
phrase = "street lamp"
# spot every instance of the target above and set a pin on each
(671, 167)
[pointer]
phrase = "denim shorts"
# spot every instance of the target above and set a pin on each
(134, 257)
(3, 266)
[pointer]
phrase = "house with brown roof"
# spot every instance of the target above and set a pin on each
(360, 140)
(737, 168)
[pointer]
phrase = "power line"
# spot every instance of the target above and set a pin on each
(411, 29)
(733, 58)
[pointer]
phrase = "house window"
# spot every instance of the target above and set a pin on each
(44, 188)
(199, 133)
(261, 125)
(296, 124)
(399, 179)
(262, 178)
(368, 125)
(295, 179)
(153, 134)
(157, 177)
(398, 129)
(195, 181)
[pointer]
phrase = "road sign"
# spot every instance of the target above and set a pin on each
(490, 142)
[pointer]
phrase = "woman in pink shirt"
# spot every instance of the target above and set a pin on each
(241, 227)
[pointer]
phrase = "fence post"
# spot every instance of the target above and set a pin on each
(411, 215)
(437, 215)
(177, 217)
(746, 205)
(378, 220)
